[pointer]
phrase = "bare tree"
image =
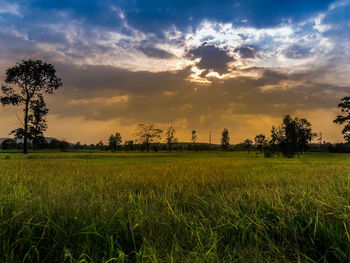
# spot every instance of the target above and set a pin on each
(148, 133)
(170, 137)
(194, 137)
(24, 83)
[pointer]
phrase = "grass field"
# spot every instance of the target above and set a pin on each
(179, 207)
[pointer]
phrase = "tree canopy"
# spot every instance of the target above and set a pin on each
(345, 118)
(293, 137)
(225, 139)
(25, 83)
(147, 133)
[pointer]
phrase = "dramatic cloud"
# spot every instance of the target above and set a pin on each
(155, 52)
(211, 58)
(297, 52)
(198, 64)
(245, 52)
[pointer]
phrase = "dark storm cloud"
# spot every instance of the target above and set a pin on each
(211, 58)
(95, 80)
(155, 52)
(159, 97)
(245, 52)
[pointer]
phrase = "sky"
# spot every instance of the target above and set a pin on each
(203, 65)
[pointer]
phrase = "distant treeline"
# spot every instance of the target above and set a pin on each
(292, 137)
(62, 145)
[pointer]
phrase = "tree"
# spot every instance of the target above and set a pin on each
(194, 137)
(293, 137)
(36, 122)
(225, 139)
(64, 145)
(54, 144)
(289, 145)
(247, 144)
(118, 140)
(100, 146)
(305, 134)
(170, 137)
(112, 143)
(320, 138)
(24, 83)
(345, 118)
(129, 145)
(260, 141)
(277, 137)
(115, 141)
(77, 146)
(9, 144)
(148, 133)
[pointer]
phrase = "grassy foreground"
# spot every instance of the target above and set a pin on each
(186, 207)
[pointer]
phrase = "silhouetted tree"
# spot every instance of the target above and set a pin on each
(115, 141)
(38, 120)
(345, 118)
(320, 138)
(100, 146)
(24, 83)
(129, 145)
(247, 144)
(9, 144)
(64, 145)
(260, 141)
(36, 123)
(148, 133)
(290, 143)
(77, 146)
(277, 137)
(293, 137)
(170, 137)
(305, 134)
(112, 143)
(194, 137)
(225, 139)
(54, 144)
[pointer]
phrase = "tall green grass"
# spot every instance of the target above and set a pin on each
(187, 207)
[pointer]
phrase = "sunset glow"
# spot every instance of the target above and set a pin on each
(193, 64)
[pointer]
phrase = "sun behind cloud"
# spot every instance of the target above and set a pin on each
(199, 65)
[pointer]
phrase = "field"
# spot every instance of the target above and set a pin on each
(174, 207)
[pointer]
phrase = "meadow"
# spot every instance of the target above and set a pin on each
(174, 207)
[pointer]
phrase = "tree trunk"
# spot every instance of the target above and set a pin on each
(25, 139)
(35, 139)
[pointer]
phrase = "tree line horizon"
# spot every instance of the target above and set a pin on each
(27, 82)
